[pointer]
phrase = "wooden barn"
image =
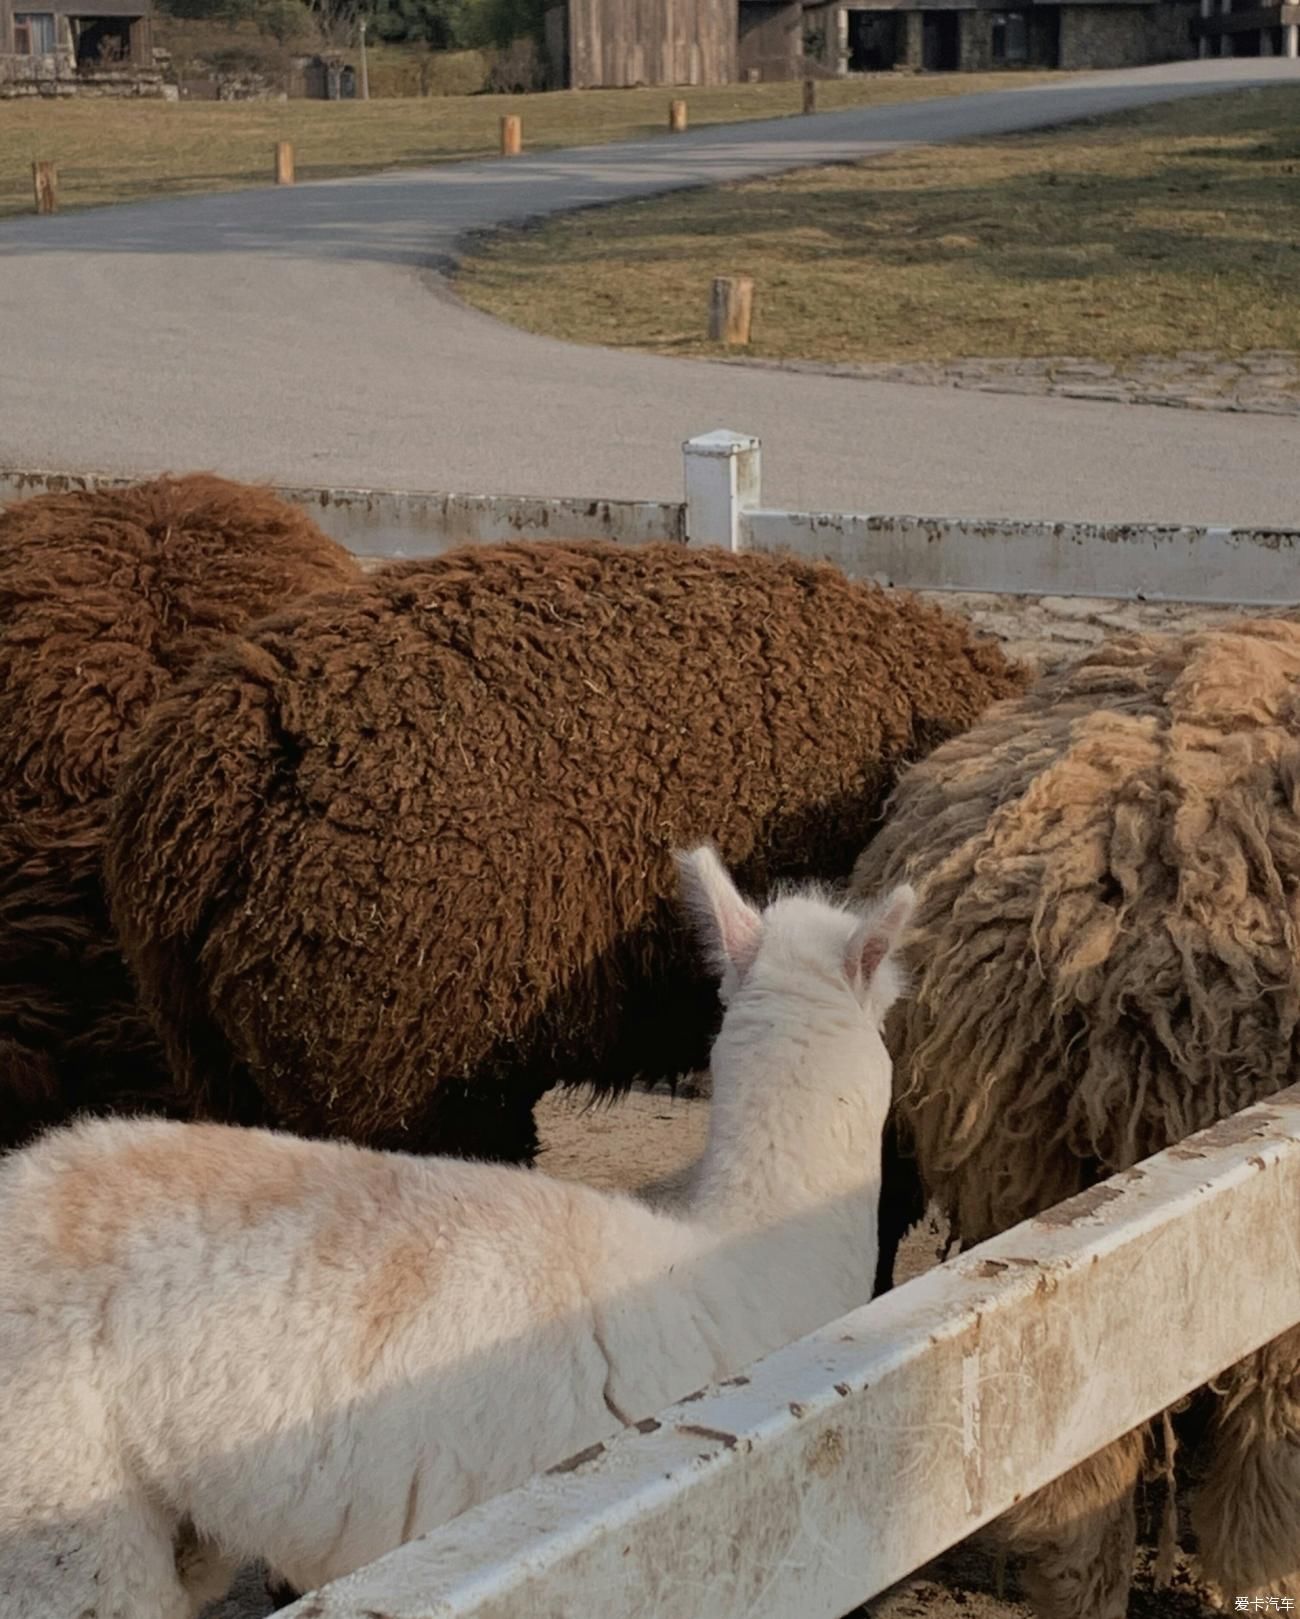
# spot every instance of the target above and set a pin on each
(594, 44)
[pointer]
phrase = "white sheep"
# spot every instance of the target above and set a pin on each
(221, 1344)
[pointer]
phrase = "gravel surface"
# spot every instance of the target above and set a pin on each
(1265, 381)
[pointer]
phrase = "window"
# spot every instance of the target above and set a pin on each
(34, 33)
(1010, 37)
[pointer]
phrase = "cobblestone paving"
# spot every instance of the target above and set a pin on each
(1266, 381)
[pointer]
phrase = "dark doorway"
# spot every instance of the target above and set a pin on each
(1010, 38)
(876, 40)
(1045, 36)
(940, 41)
(102, 41)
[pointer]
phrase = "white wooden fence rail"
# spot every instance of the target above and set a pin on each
(723, 506)
(840, 1464)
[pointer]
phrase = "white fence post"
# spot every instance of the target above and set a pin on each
(723, 480)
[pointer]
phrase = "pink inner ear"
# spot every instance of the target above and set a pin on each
(865, 963)
(741, 930)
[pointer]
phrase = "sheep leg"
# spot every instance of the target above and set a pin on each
(481, 1119)
(902, 1202)
(113, 1560)
(1078, 1535)
(203, 1569)
(280, 1592)
(1247, 1512)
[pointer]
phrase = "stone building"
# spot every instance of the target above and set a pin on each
(856, 36)
(77, 47)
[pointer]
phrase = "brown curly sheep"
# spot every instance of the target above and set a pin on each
(398, 861)
(1108, 945)
(105, 598)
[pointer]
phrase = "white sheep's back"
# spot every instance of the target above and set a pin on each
(321, 1350)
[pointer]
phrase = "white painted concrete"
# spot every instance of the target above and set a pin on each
(840, 1464)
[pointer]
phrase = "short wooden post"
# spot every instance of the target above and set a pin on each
(512, 135)
(731, 309)
(810, 95)
(284, 163)
(677, 117)
(45, 187)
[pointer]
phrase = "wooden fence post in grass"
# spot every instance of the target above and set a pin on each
(677, 117)
(810, 95)
(512, 135)
(45, 187)
(731, 309)
(284, 163)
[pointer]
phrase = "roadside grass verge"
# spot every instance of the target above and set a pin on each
(1169, 229)
(115, 151)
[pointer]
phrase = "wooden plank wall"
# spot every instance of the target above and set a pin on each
(771, 38)
(626, 42)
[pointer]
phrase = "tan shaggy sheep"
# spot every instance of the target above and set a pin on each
(106, 597)
(1108, 954)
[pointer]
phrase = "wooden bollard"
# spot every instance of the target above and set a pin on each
(512, 135)
(284, 163)
(810, 95)
(731, 309)
(45, 187)
(677, 117)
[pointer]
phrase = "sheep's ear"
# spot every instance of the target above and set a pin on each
(729, 926)
(869, 962)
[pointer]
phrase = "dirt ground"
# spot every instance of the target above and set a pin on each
(646, 1141)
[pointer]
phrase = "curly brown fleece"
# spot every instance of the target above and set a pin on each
(105, 598)
(398, 861)
(1107, 959)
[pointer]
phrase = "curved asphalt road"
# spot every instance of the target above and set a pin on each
(299, 335)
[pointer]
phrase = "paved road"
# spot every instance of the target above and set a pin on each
(306, 336)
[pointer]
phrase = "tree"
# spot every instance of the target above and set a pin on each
(441, 24)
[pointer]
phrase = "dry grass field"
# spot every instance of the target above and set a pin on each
(1170, 229)
(116, 151)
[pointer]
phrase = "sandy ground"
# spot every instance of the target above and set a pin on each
(642, 1143)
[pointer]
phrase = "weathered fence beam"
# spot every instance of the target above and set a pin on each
(724, 506)
(1133, 562)
(397, 524)
(839, 1465)
(1002, 556)
(284, 165)
(512, 135)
